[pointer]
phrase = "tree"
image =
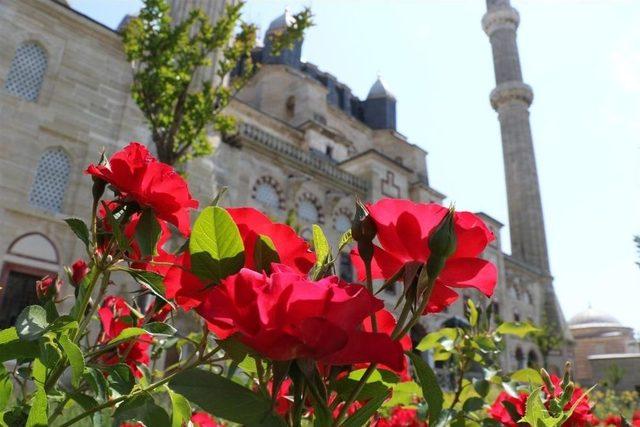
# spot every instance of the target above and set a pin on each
(166, 56)
(548, 339)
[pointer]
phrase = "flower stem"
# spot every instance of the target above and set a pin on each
(367, 266)
(354, 394)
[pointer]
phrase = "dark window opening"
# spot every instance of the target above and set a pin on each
(19, 292)
(328, 151)
(291, 106)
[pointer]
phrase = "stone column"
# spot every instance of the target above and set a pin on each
(511, 99)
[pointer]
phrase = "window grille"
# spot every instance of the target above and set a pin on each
(342, 223)
(267, 195)
(50, 183)
(307, 211)
(26, 73)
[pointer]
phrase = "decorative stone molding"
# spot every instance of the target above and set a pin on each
(269, 180)
(509, 92)
(311, 198)
(500, 19)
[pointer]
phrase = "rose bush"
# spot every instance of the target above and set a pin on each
(245, 322)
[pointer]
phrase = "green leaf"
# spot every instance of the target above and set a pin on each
(440, 337)
(160, 329)
(473, 313)
(148, 232)
(141, 408)
(320, 245)
(150, 280)
(80, 229)
(38, 414)
(6, 388)
(215, 245)
(264, 254)
(430, 388)
(520, 329)
(116, 229)
(535, 411)
(481, 387)
(121, 379)
(473, 404)
(97, 382)
(12, 347)
(127, 334)
(32, 323)
(233, 402)
(345, 239)
(403, 394)
(373, 387)
(180, 409)
(527, 375)
(362, 415)
(76, 359)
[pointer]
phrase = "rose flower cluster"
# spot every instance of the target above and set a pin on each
(283, 310)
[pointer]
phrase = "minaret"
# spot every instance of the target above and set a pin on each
(511, 98)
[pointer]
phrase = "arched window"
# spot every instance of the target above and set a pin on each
(308, 209)
(519, 358)
(267, 195)
(532, 360)
(290, 106)
(342, 221)
(27, 71)
(50, 183)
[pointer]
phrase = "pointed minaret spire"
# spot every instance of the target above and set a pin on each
(511, 99)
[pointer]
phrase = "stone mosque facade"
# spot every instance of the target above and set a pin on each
(305, 142)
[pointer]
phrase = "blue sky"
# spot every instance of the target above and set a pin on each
(582, 58)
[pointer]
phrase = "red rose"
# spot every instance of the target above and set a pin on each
(499, 412)
(292, 250)
(48, 287)
(79, 270)
(613, 420)
(202, 419)
(286, 316)
(115, 316)
(403, 230)
(139, 177)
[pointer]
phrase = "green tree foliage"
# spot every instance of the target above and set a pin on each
(168, 58)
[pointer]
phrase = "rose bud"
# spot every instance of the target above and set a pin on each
(47, 287)
(79, 270)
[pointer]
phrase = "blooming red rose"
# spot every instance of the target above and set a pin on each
(79, 270)
(403, 231)
(612, 420)
(286, 316)
(499, 412)
(48, 287)
(139, 177)
(202, 419)
(115, 316)
(292, 250)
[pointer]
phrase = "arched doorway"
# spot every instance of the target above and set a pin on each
(520, 362)
(532, 360)
(29, 258)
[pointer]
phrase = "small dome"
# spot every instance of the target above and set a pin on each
(281, 22)
(380, 90)
(592, 316)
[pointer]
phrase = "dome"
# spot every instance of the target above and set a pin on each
(380, 90)
(592, 316)
(281, 22)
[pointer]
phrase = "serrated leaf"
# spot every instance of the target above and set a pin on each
(345, 239)
(519, 329)
(121, 379)
(473, 312)
(430, 388)
(76, 359)
(527, 375)
(150, 280)
(160, 329)
(80, 229)
(32, 323)
(12, 347)
(180, 409)
(127, 334)
(215, 245)
(320, 245)
(444, 337)
(141, 408)
(362, 415)
(148, 232)
(233, 402)
(264, 254)
(38, 414)
(6, 387)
